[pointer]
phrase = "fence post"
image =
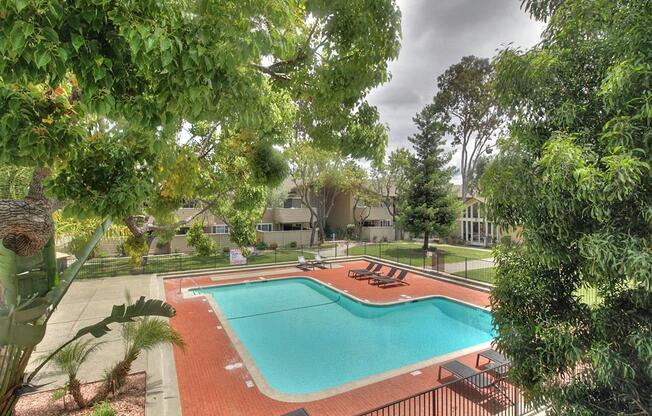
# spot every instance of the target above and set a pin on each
(466, 268)
(335, 250)
(380, 250)
(302, 249)
(364, 247)
(275, 256)
(424, 259)
(347, 248)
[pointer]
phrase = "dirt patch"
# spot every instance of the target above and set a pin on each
(130, 402)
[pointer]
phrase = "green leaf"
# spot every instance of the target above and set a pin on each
(17, 39)
(42, 58)
(20, 5)
(77, 42)
(22, 335)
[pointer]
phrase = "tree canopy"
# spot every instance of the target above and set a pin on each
(429, 204)
(575, 173)
(98, 96)
(466, 105)
(388, 179)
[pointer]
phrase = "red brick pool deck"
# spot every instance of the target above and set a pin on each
(208, 389)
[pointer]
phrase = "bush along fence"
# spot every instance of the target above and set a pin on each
(462, 397)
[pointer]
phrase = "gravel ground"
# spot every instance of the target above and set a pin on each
(130, 402)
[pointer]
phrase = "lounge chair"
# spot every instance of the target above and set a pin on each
(497, 362)
(493, 356)
(319, 262)
(368, 274)
(398, 280)
(390, 274)
(480, 381)
(354, 272)
(303, 264)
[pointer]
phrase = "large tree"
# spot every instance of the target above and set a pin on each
(318, 176)
(389, 179)
(429, 205)
(94, 97)
(365, 197)
(575, 173)
(466, 103)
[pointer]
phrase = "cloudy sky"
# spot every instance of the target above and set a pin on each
(437, 34)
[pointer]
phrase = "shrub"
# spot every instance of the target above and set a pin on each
(506, 240)
(293, 244)
(273, 246)
(226, 249)
(103, 409)
(350, 232)
(261, 245)
(135, 248)
(197, 239)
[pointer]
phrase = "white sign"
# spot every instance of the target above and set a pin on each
(236, 257)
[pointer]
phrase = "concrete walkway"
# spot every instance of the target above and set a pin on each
(88, 302)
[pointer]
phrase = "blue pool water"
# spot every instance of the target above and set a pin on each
(305, 337)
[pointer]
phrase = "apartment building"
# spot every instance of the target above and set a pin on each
(289, 222)
(475, 227)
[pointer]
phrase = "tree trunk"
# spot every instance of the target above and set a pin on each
(74, 387)
(312, 230)
(26, 225)
(397, 231)
(425, 240)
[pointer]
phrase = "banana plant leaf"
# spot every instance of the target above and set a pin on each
(8, 278)
(127, 313)
(119, 314)
(23, 325)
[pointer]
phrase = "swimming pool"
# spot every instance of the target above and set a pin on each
(305, 337)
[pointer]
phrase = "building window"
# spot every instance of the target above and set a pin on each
(385, 223)
(292, 227)
(267, 227)
(292, 203)
(183, 230)
(221, 229)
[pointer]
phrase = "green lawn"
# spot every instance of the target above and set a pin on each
(486, 274)
(471, 253)
(411, 252)
(161, 264)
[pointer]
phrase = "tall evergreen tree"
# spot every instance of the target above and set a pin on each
(429, 204)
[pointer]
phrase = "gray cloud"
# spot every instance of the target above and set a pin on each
(437, 34)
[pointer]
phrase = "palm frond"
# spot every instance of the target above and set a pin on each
(149, 333)
(71, 357)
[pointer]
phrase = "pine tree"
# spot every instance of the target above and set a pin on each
(429, 204)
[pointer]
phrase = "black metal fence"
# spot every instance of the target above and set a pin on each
(462, 397)
(117, 266)
(478, 267)
(405, 253)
